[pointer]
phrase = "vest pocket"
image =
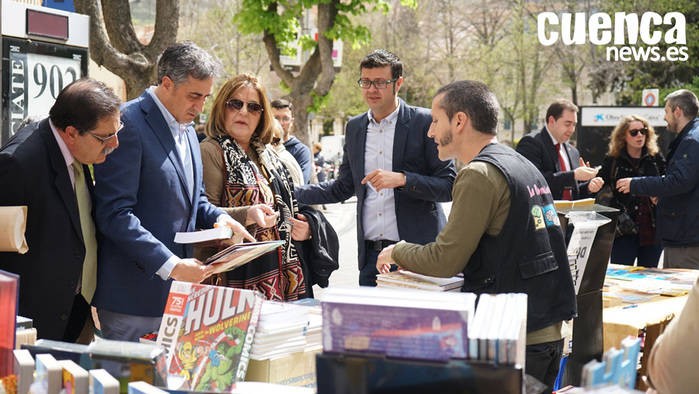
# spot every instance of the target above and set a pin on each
(538, 265)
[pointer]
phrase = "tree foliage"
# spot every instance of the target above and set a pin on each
(280, 23)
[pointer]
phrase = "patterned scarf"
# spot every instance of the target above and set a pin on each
(278, 276)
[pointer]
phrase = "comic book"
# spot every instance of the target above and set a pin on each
(208, 333)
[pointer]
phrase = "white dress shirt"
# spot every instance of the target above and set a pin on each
(379, 216)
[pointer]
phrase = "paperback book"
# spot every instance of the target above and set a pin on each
(236, 255)
(208, 332)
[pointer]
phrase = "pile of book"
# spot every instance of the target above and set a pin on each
(499, 329)
(415, 324)
(286, 328)
(411, 280)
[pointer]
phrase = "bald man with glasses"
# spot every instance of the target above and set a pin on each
(45, 167)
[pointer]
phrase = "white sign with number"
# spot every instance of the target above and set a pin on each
(36, 81)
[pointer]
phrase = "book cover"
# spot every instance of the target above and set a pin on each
(236, 255)
(24, 369)
(9, 297)
(208, 333)
(75, 378)
(414, 325)
(49, 373)
(204, 237)
(101, 382)
(417, 281)
(144, 388)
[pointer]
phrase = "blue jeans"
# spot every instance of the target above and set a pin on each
(626, 249)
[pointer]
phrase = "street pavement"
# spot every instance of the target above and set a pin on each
(343, 218)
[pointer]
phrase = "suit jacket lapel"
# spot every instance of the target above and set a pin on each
(196, 163)
(62, 179)
(155, 120)
(361, 152)
(400, 136)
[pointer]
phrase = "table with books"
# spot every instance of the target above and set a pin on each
(641, 302)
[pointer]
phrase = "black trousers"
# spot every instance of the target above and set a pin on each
(79, 315)
(543, 362)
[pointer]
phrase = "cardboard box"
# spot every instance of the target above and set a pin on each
(297, 369)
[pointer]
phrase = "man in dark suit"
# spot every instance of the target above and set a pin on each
(149, 190)
(392, 167)
(568, 176)
(44, 166)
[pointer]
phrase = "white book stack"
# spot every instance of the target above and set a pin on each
(101, 382)
(499, 330)
(144, 388)
(24, 369)
(75, 378)
(49, 375)
(411, 280)
(285, 328)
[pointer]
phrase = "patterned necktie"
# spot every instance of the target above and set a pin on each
(567, 195)
(87, 225)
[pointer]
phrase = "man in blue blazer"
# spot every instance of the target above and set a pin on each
(559, 162)
(150, 189)
(44, 166)
(392, 167)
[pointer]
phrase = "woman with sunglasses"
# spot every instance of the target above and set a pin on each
(633, 151)
(241, 169)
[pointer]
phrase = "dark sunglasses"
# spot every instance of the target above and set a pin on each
(239, 104)
(634, 133)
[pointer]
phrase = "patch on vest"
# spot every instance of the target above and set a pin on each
(551, 216)
(538, 216)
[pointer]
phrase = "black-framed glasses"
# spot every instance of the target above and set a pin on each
(105, 139)
(239, 104)
(378, 84)
(643, 131)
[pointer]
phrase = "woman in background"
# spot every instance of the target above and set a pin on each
(633, 151)
(240, 169)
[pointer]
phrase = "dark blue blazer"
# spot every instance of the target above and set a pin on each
(141, 201)
(540, 150)
(428, 179)
(33, 172)
(678, 189)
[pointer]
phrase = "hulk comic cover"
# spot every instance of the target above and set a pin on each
(208, 333)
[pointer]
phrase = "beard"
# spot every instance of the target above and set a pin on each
(447, 139)
(107, 151)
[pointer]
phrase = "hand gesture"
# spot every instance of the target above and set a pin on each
(300, 230)
(261, 214)
(584, 172)
(384, 261)
(191, 270)
(624, 185)
(382, 179)
(239, 231)
(595, 184)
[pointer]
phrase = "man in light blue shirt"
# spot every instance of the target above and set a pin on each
(391, 165)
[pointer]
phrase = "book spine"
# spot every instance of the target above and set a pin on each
(249, 338)
(173, 316)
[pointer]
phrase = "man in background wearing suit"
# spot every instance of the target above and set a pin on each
(150, 189)
(391, 164)
(44, 166)
(566, 173)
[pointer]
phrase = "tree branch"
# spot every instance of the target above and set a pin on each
(167, 22)
(326, 19)
(273, 54)
(119, 27)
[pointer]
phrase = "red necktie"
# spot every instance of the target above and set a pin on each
(567, 195)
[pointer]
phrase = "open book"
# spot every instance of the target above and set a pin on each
(236, 255)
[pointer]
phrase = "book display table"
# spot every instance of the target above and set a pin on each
(636, 305)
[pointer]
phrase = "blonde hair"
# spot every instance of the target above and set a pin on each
(216, 125)
(617, 141)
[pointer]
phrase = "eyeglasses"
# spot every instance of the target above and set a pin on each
(239, 104)
(104, 140)
(634, 133)
(378, 84)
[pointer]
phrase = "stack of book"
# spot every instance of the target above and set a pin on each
(411, 280)
(499, 329)
(415, 325)
(285, 328)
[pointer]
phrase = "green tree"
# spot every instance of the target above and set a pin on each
(280, 23)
